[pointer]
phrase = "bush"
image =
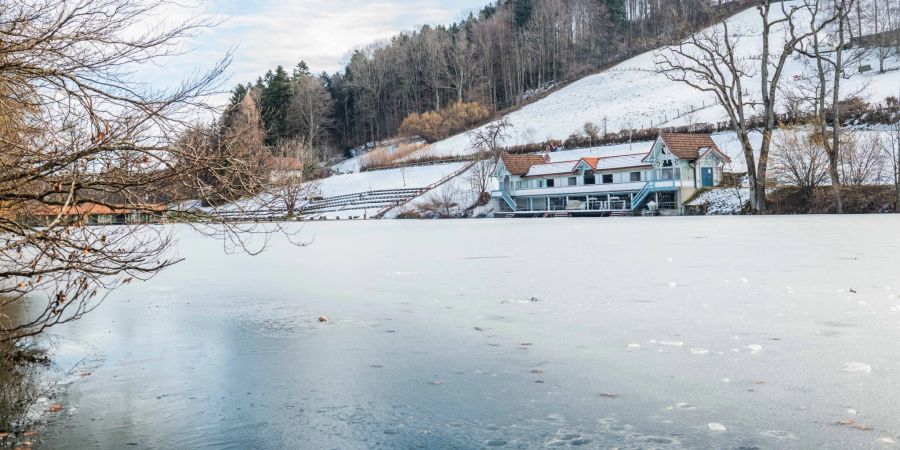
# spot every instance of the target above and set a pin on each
(820, 200)
(436, 125)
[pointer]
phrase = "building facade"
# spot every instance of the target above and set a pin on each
(662, 179)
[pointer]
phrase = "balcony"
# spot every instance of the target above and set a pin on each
(666, 174)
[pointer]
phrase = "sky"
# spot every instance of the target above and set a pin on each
(265, 33)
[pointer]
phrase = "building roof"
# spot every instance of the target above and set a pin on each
(620, 162)
(596, 163)
(591, 161)
(556, 168)
(690, 146)
(520, 164)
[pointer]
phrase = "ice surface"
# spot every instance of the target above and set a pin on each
(226, 350)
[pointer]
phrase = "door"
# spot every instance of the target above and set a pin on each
(707, 176)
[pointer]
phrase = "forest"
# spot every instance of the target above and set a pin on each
(496, 59)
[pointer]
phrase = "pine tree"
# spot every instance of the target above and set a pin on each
(302, 70)
(616, 10)
(487, 12)
(276, 94)
(522, 10)
(237, 94)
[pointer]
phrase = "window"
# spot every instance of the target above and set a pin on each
(607, 178)
(635, 176)
(590, 178)
(550, 182)
(573, 181)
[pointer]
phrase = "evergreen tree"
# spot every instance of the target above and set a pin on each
(522, 12)
(487, 12)
(276, 94)
(302, 70)
(238, 94)
(616, 10)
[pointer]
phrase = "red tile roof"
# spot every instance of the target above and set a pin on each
(591, 162)
(519, 164)
(689, 146)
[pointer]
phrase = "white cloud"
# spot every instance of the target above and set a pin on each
(266, 33)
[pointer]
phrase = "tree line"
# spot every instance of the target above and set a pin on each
(492, 58)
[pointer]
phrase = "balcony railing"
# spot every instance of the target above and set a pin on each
(593, 205)
(666, 174)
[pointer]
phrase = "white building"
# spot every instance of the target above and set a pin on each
(674, 169)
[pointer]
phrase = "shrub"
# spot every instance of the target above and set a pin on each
(436, 125)
(388, 156)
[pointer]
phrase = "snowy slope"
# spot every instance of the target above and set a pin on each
(633, 95)
(629, 95)
(411, 177)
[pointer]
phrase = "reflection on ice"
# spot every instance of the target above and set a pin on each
(572, 339)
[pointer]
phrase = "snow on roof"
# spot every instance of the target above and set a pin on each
(607, 163)
(621, 162)
(552, 168)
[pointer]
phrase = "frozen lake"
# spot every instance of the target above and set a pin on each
(727, 332)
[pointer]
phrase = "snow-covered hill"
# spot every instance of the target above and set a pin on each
(633, 95)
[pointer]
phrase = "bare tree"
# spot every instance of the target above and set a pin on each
(294, 191)
(799, 159)
(890, 146)
(709, 62)
(310, 110)
(592, 131)
(459, 70)
(862, 160)
(491, 136)
(826, 48)
(885, 20)
(486, 141)
(442, 203)
(293, 177)
(78, 134)
(480, 176)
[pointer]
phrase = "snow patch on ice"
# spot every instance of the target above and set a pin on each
(857, 367)
(717, 427)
